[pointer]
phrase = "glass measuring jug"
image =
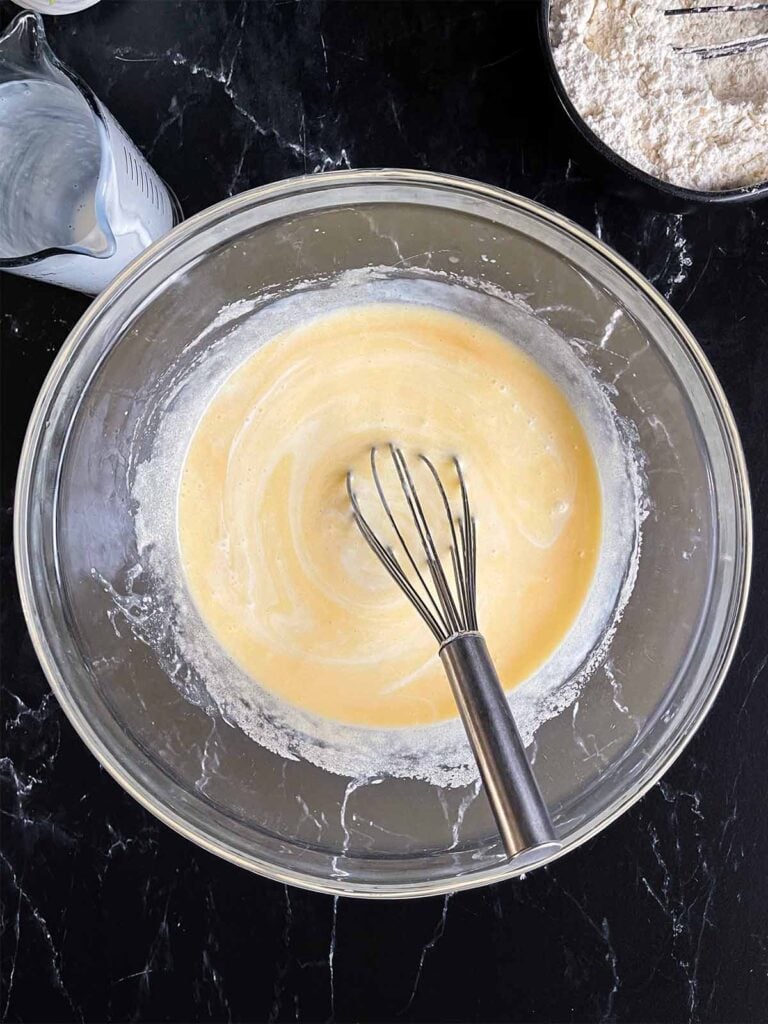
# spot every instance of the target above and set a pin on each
(79, 200)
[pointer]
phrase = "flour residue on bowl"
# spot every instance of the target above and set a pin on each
(436, 752)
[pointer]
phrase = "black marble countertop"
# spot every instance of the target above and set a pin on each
(107, 914)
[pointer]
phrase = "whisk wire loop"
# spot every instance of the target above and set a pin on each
(387, 558)
(429, 548)
(448, 610)
(460, 577)
(436, 609)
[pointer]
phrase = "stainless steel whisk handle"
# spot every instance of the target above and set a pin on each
(514, 795)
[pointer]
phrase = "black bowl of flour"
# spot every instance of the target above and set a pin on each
(622, 176)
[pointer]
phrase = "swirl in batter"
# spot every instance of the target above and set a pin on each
(271, 555)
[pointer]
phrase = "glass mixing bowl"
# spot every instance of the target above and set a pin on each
(77, 552)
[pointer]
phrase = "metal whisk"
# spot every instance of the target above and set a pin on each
(724, 49)
(446, 601)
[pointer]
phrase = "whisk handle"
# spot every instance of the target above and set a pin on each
(514, 795)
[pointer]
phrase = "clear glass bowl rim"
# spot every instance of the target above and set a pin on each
(36, 436)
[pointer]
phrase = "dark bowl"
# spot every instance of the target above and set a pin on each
(625, 177)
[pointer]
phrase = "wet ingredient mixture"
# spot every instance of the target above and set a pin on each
(274, 562)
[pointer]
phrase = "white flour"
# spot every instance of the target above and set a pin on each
(438, 754)
(695, 123)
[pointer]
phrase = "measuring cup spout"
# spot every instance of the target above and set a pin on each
(22, 46)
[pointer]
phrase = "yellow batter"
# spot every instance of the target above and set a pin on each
(274, 561)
